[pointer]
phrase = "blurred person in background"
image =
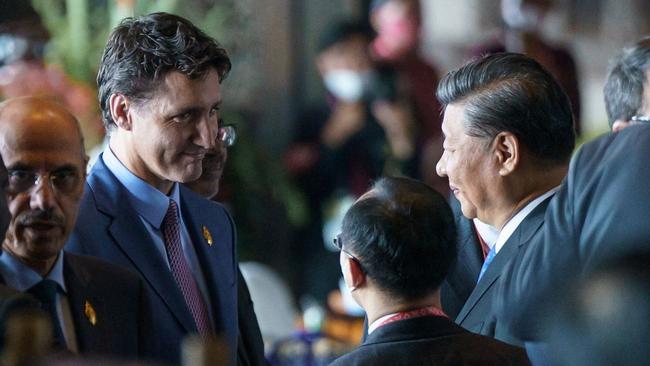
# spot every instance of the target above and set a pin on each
(522, 33)
(627, 89)
(396, 245)
(604, 319)
(398, 24)
(24, 71)
(250, 346)
(364, 128)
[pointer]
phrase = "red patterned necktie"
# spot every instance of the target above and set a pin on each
(181, 271)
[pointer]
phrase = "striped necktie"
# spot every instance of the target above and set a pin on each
(182, 272)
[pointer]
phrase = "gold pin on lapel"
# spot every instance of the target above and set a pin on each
(90, 313)
(207, 236)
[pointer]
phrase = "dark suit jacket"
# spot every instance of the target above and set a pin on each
(250, 347)
(108, 227)
(463, 273)
(479, 314)
(601, 211)
(430, 341)
(122, 326)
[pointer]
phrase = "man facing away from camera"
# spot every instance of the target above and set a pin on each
(397, 243)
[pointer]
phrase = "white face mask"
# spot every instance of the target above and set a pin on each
(519, 16)
(347, 85)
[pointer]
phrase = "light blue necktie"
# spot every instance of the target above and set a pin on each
(488, 260)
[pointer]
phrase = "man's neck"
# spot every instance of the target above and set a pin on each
(523, 191)
(379, 305)
(124, 152)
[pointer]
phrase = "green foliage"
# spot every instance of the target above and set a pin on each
(79, 28)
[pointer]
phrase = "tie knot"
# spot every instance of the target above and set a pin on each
(44, 291)
(172, 212)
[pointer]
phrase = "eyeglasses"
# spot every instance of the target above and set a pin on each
(63, 181)
(227, 134)
(338, 243)
(645, 119)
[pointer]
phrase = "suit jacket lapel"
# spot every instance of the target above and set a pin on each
(522, 235)
(471, 257)
(134, 241)
(77, 280)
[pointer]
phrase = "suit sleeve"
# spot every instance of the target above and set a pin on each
(250, 347)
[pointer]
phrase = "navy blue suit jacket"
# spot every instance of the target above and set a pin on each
(464, 271)
(480, 314)
(601, 211)
(108, 227)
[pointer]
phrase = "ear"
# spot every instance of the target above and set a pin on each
(507, 151)
(119, 107)
(619, 125)
(356, 274)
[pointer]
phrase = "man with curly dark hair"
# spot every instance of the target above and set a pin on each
(160, 93)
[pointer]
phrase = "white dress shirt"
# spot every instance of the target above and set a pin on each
(517, 219)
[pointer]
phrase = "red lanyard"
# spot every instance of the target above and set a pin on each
(416, 313)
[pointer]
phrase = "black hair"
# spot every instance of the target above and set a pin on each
(626, 79)
(342, 31)
(141, 51)
(403, 234)
(512, 92)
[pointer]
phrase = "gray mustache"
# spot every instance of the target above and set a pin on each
(41, 217)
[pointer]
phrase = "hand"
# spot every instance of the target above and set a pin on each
(346, 120)
(398, 123)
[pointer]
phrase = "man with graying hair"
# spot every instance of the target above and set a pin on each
(627, 90)
(160, 93)
(42, 147)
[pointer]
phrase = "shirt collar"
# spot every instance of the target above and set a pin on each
(148, 202)
(488, 233)
(374, 325)
(21, 277)
(512, 224)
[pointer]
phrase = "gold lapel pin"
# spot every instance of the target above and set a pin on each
(90, 313)
(207, 236)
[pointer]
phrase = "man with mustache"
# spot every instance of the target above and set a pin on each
(160, 94)
(42, 147)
